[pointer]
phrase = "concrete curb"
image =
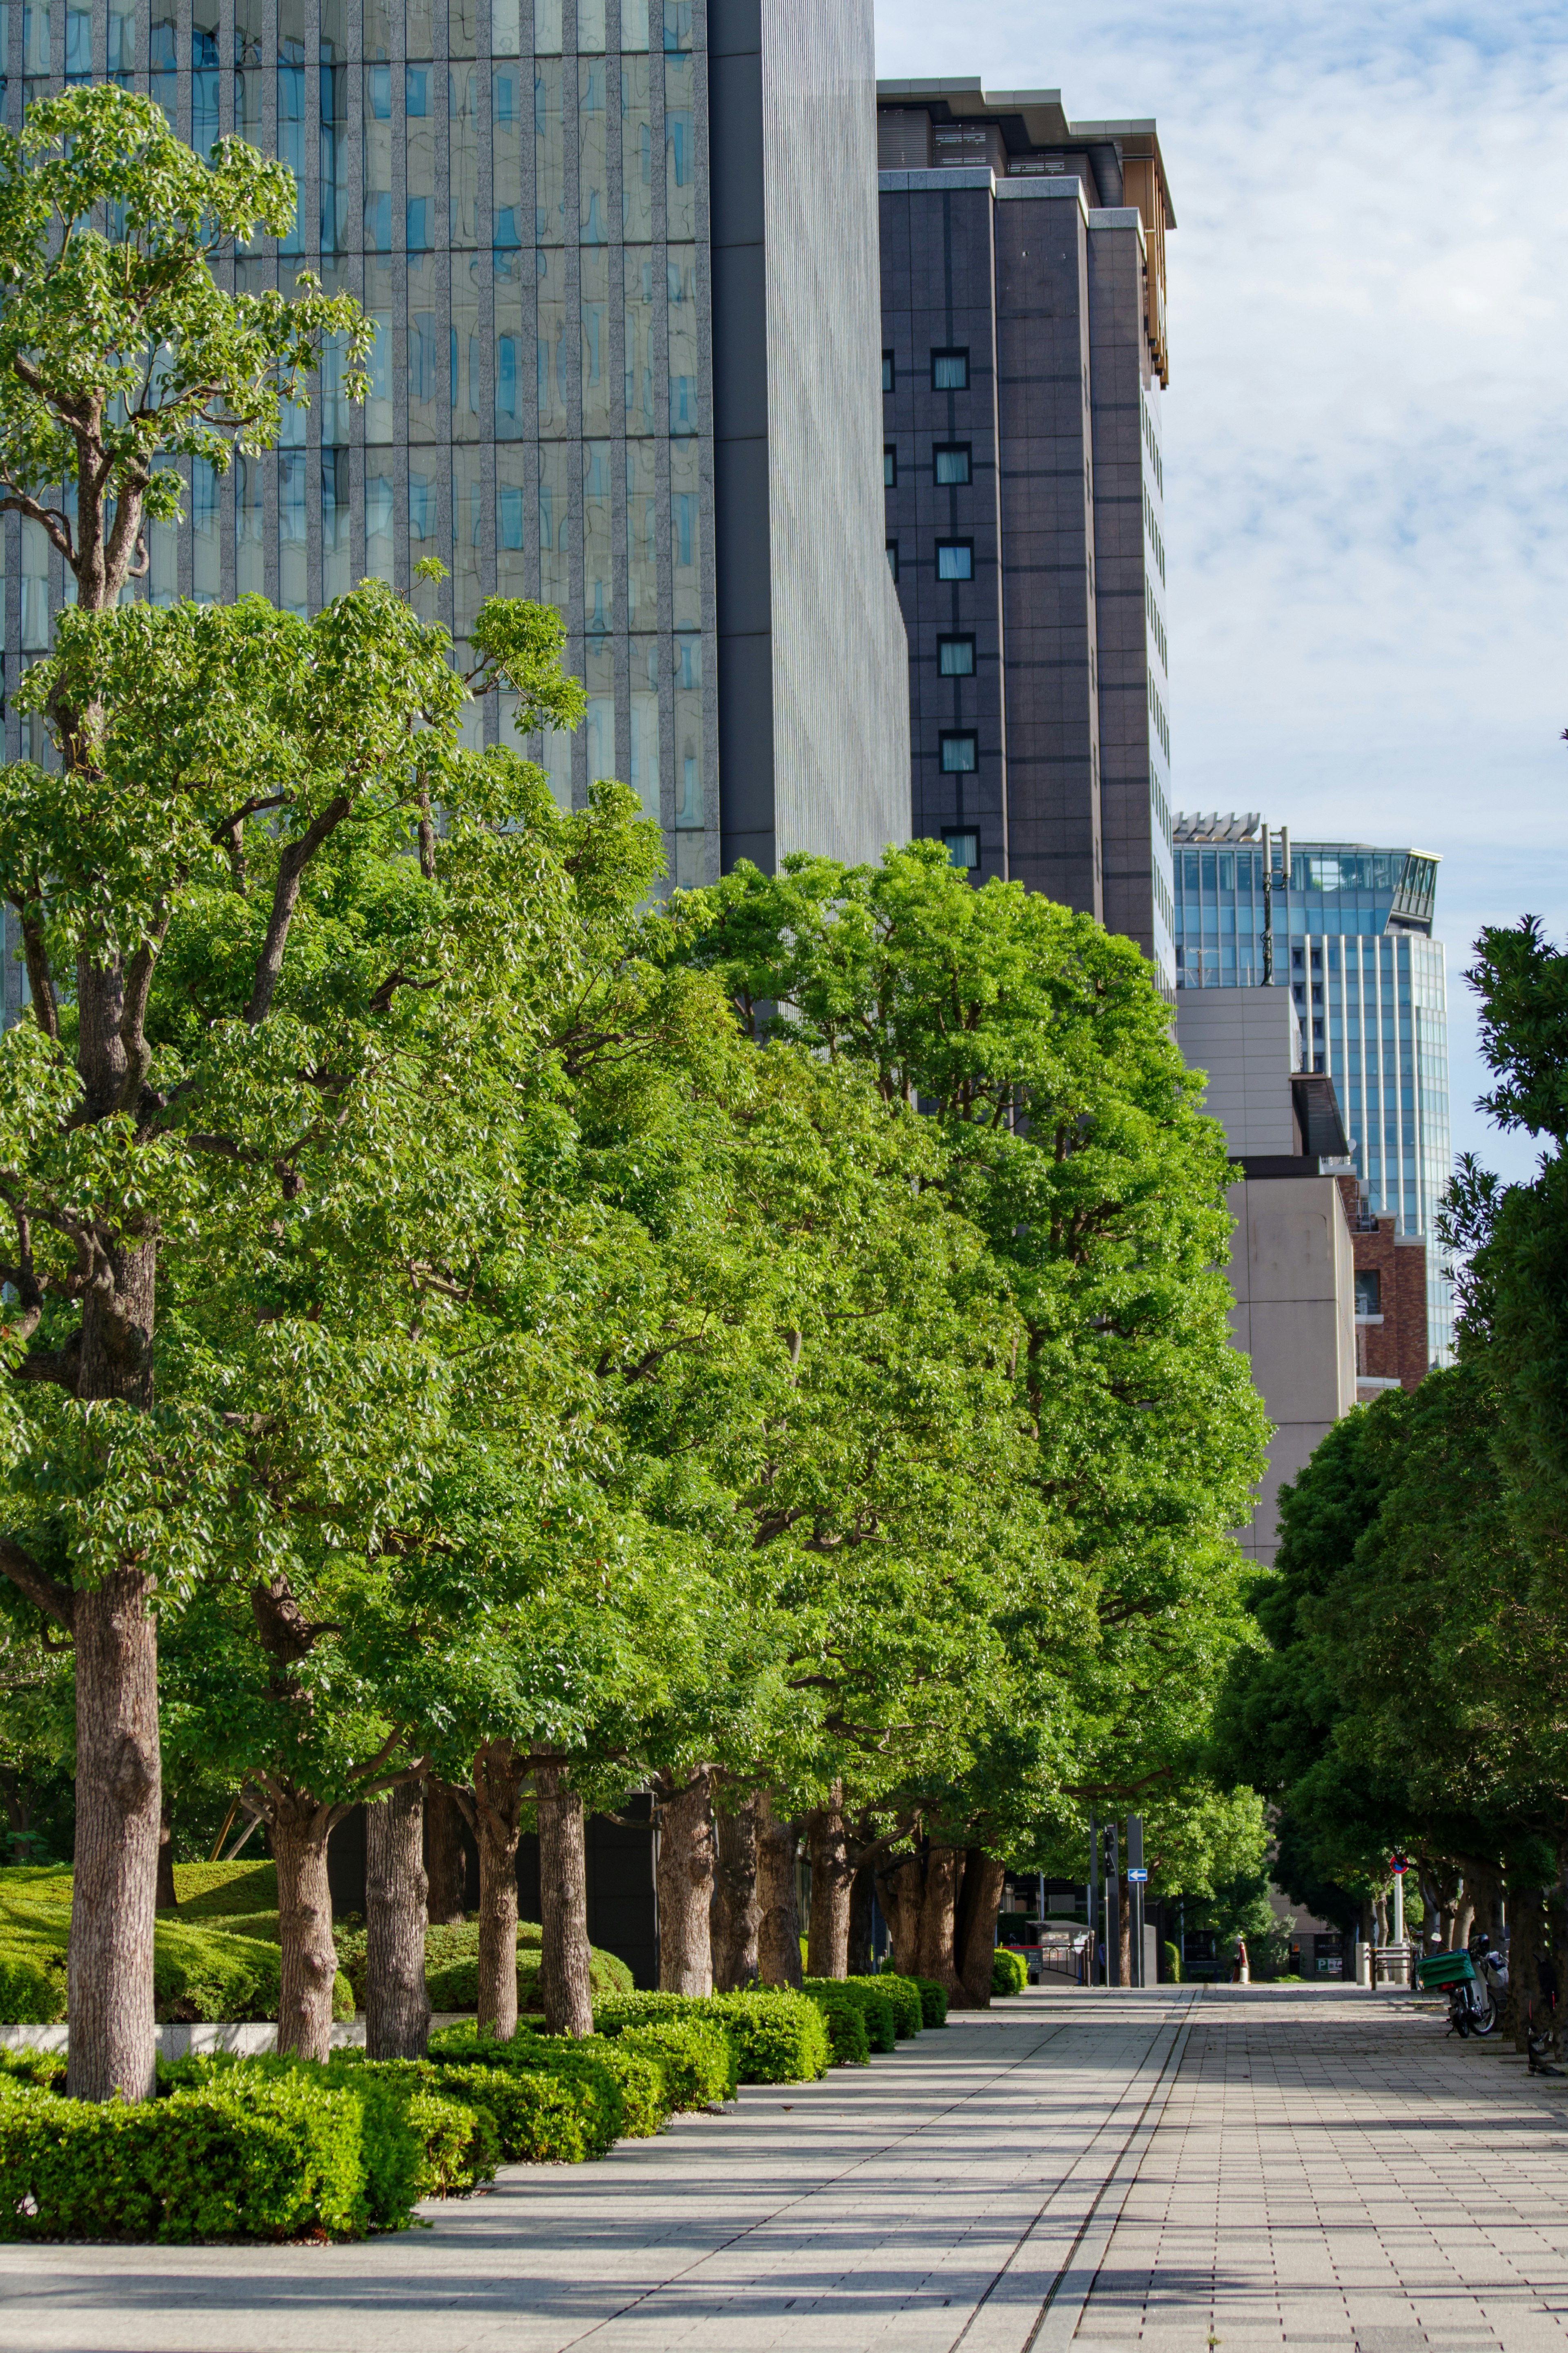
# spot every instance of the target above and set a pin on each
(251, 2039)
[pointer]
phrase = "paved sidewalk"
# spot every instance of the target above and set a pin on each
(1252, 2169)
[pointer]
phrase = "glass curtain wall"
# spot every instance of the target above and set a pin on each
(516, 190)
(1352, 942)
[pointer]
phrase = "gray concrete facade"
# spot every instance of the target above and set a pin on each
(1024, 506)
(814, 719)
(520, 193)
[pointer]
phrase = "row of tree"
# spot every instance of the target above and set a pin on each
(1414, 1695)
(474, 1327)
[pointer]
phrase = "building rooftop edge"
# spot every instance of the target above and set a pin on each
(966, 95)
(1213, 820)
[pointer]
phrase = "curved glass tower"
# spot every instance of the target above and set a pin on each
(1353, 942)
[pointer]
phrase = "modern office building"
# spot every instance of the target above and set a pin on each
(622, 257)
(1353, 944)
(1023, 369)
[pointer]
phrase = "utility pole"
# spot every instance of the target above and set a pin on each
(1113, 1909)
(1137, 1880)
(1093, 1893)
(1267, 909)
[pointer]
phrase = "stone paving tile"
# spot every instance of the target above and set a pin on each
(1330, 2170)
(1306, 2172)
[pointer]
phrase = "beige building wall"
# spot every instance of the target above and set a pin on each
(1292, 1261)
(1292, 1269)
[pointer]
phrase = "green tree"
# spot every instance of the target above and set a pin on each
(117, 349)
(1068, 1136)
(180, 1115)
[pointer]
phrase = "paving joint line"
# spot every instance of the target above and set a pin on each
(1052, 2308)
(829, 2181)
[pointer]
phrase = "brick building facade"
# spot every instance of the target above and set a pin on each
(1391, 1349)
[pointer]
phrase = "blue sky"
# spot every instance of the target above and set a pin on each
(1366, 432)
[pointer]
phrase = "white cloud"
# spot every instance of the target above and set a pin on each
(1366, 433)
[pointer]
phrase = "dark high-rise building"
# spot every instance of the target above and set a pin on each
(1023, 364)
(622, 259)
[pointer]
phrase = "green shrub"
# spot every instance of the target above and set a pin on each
(256, 2160)
(846, 2022)
(32, 1984)
(226, 1891)
(45, 2069)
(452, 1966)
(460, 2140)
(1009, 1974)
(779, 2037)
(1173, 1962)
(697, 2055)
(205, 1965)
(541, 2118)
(592, 2078)
(411, 2147)
(877, 2006)
(905, 1997)
(934, 2001)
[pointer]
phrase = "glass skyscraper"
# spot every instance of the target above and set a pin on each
(533, 200)
(1353, 942)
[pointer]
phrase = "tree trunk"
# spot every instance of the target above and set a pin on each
(901, 1889)
(686, 1888)
(939, 1910)
(499, 1776)
(1525, 1945)
(397, 2007)
(563, 1904)
(1124, 1931)
(299, 1827)
(976, 1941)
(446, 1859)
(112, 2033)
(862, 1956)
(736, 1897)
(167, 1899)
(832, 1873)
(778, 1904)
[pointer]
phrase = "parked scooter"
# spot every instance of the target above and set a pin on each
(1476, 1986)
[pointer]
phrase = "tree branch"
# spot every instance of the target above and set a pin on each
(291, 866)
(45, 1592)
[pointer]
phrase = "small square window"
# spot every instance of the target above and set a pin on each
(959, 756)
(955, 656)
(963, 848)
(889, 467)
(951, 462)
(950, 370)
(955, 559)
(886, 371)
(893, 557)
(1368, 1290)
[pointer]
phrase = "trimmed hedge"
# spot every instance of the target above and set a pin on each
(452, 1966)
(256, 2160)
(934, 2001)
(698, 2058)
(904, 1996)
(846, 2022)
(882, 2017)
(611, 2097)
(416, 2140)
(1008, 1973)
(777, 2035)
(205, 1965)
